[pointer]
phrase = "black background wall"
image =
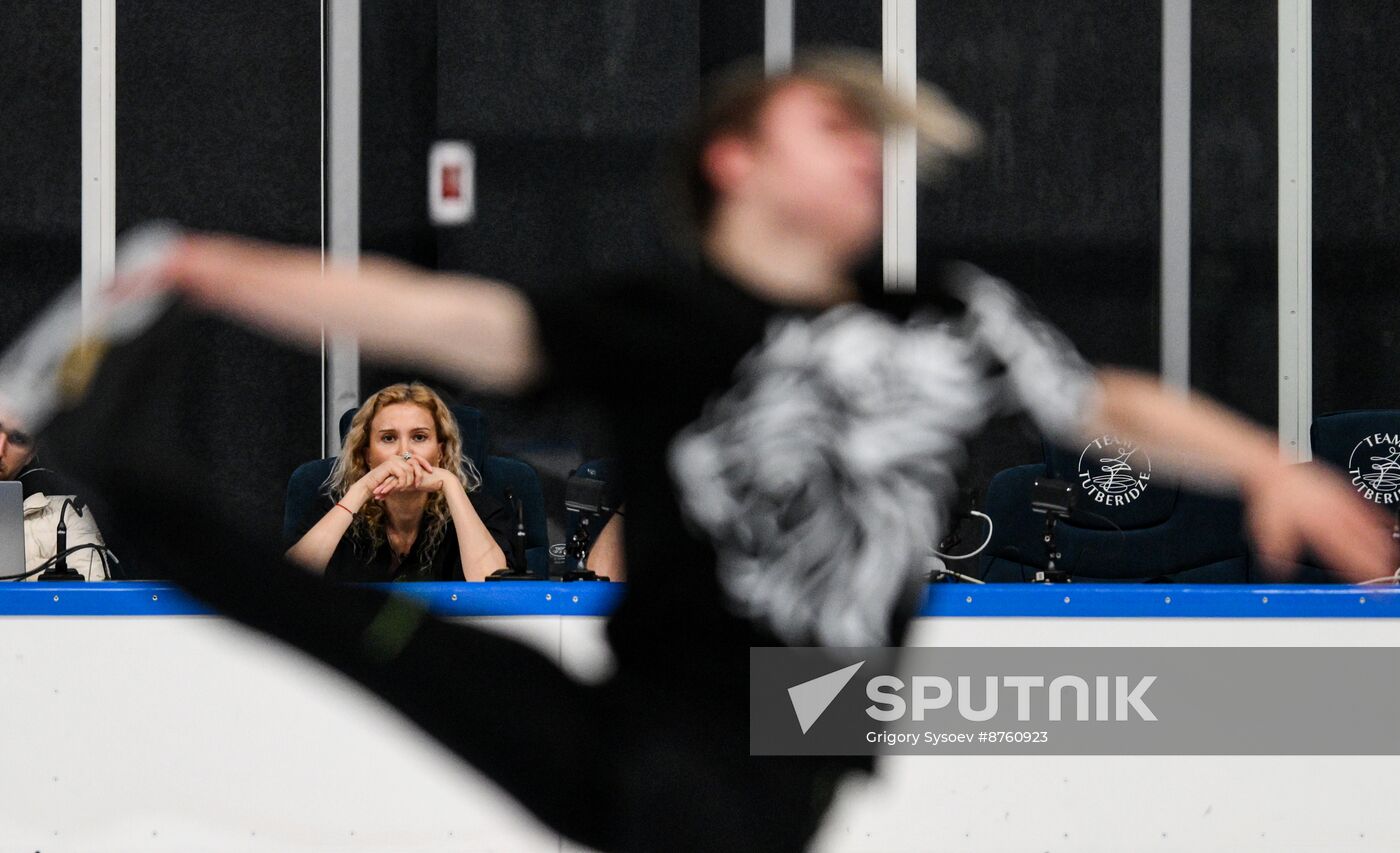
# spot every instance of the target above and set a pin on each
(1356, 205)
(565, 101)
(1234, 204)
(1063, 198)
(40, 155)
(218, 127)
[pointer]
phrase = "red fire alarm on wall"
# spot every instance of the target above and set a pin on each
(451, 184)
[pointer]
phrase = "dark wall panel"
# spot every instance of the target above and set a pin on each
(218, 126)
(398, 120)
(571, 69)
(218, 115)
(1063, 198)
(729, 30)
(566, 104)
(1234, 205)
(837, 23)
(1069, 94)
(1356, 205)
(40, 154)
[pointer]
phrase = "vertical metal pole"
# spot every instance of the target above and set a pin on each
(1295, 228)
(899, 50)
(342, 355)
(777, 35)
(99, 149)
(1176, 193)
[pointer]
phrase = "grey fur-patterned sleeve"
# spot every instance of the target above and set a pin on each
(823, 475)
(1047, 377)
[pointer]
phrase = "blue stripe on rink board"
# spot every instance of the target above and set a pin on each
(498, 598)
(532, 598)
(1163, 601)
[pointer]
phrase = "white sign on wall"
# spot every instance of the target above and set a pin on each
(451, 183)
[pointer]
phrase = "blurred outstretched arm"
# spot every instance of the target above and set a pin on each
(1288, 508)
(480, 331)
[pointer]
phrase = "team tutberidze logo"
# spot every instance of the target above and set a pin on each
(1114, 472)
(1374, 466)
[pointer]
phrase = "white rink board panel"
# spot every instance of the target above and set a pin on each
(189, 733)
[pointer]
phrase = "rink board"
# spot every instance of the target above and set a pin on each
(133, 719)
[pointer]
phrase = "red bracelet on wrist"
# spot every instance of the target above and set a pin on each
(346, 508)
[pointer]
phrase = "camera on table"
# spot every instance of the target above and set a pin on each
(1055, 500)
(591, 495)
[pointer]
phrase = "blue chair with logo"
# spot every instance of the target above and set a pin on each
(1129, 523)
(1364, 444)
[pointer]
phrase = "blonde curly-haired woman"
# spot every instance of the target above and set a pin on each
(402, 502)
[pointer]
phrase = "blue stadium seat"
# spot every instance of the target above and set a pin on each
(501, 474)
(1163, 533)
(303, 487)
(1362, 444)
(1349, 440)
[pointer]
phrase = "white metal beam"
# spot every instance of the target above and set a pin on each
(1176, 193)
(342, 354)
(777, 35)
(1295, 228)
(899, 50)
(99, 149)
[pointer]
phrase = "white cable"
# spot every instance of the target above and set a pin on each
(980, 548)
(944, 570)
(1393, 578)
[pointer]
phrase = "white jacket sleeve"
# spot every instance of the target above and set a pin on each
(41, 514)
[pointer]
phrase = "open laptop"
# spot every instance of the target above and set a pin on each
(11, 528)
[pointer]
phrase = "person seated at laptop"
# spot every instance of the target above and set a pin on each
(404, 502)
(44, 495)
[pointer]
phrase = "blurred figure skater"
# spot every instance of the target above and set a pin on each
(790, 436)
